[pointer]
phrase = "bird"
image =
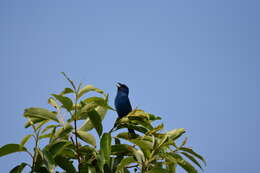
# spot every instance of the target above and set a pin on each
(122, 102)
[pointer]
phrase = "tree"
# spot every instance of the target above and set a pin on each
(74, 149)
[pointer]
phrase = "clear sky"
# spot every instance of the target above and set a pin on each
(194, 62)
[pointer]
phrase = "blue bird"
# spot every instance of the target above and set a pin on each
(122, 102)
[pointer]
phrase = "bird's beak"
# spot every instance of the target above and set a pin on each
(118, 85)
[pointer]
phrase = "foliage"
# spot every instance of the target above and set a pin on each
(72, 148)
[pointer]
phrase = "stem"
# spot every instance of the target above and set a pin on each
(35, 149)
(30, 154)
(75, 128)
(131, 166)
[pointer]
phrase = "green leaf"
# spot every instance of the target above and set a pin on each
(68, 79)
(40, 114)
(86, 168)
(25, 140)
(87, 125)
(156, 129)
(184, 164)
(171, 167)
(162, 141)
(65, 101)
(40, 164)
(63, 131)
(192, 159)
(87, 137)
(139, 155)
(48, 127)
(48, 160)
(100, 164)
(125, 162)
(184, 142)
(96, 121)
(87, 89)
(168, 157)
(158, 170)
(52, 102)
(145, 146)
(99, 101)
(176, 133)
(143, 123)
(57, 147)
(132, 126)
(105, 146)
(120, 149)
(67, 91)
(11, 148)
(48, 135)
(19, 168)
(65, 164)
(124, 135)
(87, 151)
(189, 150)
(33, 120)
(154, 117)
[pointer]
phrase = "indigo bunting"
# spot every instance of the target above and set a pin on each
(122, 102)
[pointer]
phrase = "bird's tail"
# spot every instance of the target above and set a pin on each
(131, 131)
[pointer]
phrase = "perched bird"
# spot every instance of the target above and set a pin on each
(122, 102)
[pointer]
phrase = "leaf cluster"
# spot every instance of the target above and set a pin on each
(72, 148)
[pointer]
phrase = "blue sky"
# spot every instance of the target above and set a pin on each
(195, 63)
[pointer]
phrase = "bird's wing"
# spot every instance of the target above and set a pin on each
(123, 106)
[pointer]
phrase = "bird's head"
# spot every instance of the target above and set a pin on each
(122, 88)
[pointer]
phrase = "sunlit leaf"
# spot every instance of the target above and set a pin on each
(96, 121)
(98, 101)
(53, 102)
(156, 129)
(87, 89)
(63, 131)
(124, 135)
(145, 146)
(105, 146)
(176, 133)
(87, 137)
(168, 157)
(65, 101)
(162, 141)
(33, 120)
(87, 125)
(25, 139)
(40, 113)
(139, 155)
